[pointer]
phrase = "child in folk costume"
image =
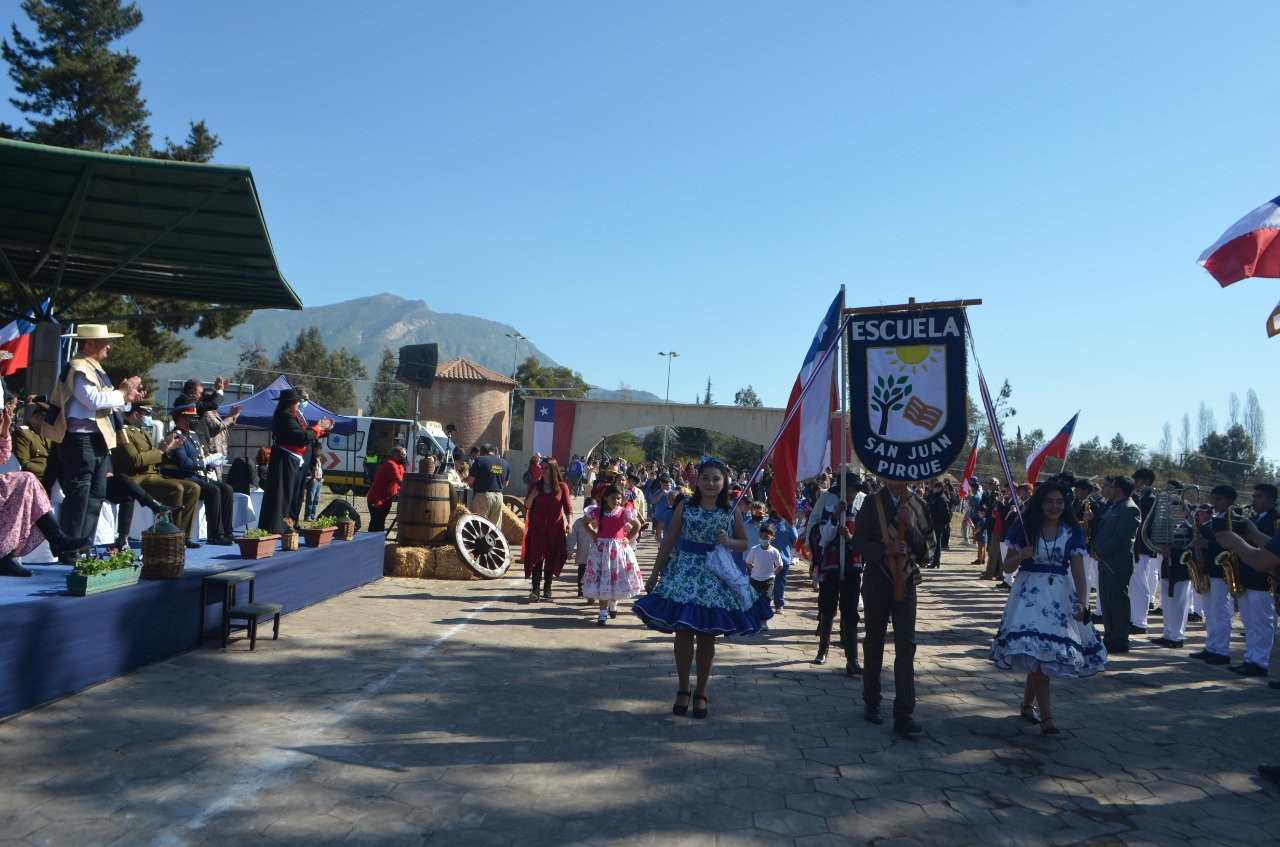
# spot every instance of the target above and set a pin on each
(1046, 631)
(613, 573)
(580, 542)
(688, 599)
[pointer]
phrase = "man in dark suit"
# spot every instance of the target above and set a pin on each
(876, 535)
(1113, 548)
(188, 461)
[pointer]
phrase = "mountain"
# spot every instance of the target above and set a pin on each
(364, 326)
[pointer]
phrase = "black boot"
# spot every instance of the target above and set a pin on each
(851, 666)
(59, 544)
(533, 588)
(546, 585)
(824, 640)
(9, 566)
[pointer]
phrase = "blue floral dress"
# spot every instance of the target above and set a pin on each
(690, 598)
(1037, 631)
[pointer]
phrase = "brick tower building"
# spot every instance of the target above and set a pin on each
(474, 399)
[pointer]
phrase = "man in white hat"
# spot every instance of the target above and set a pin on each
(84, 415)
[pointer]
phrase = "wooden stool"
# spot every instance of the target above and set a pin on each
(252, 614)
(227, 580)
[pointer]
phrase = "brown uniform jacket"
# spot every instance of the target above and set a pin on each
(31, 449)
(135, 454)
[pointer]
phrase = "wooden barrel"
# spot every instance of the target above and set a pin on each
(426, 502)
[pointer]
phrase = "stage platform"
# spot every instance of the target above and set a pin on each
(54, 644)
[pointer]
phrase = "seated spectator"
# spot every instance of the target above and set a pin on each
(26, 518)
(32, 450)
(188, 461)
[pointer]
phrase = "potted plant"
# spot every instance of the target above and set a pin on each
(289, 538)
(319, 532)
(257, 544)
(94, 574)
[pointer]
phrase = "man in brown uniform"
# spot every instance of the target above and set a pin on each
(137, 457)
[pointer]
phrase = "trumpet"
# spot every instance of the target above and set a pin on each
(1229, 561)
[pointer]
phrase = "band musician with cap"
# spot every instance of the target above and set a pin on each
(188, 460)
(139, 458)
(84, 416)
(292, 436)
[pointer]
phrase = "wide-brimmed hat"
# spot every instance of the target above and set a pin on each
(88, 332)
(289, 395)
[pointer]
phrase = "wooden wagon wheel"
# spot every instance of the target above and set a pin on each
(482, 546)
(515, 504)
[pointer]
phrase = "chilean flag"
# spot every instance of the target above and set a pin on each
(1056, 447)
(802, 445)
(553, 428)
(1248, 248)
(15, 339)
(969, 467)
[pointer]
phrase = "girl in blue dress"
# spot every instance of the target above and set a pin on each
(689, 600)
(1046, 632)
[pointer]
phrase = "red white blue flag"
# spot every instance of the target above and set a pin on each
(969, 467)
(15, 339)
(1248, 248)
(1055, 447)
(553, 428)
(801, 449)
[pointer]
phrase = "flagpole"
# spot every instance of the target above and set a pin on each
(813, 377)
(844, 424)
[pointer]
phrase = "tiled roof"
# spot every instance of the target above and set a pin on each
(468, 371)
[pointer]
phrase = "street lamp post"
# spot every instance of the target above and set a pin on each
(516, 338)
(671, 354)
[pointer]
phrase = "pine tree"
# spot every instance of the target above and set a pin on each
(329, 376)
(76, 92)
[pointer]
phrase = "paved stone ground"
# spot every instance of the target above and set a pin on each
(433, 713)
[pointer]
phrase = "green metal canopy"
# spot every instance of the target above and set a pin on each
(74, 222)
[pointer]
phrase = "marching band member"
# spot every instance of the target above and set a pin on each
(1143, 589)
(1217, 619)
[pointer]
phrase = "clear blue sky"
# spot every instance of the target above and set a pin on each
(617, 179)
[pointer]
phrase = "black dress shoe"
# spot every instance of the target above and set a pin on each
(222, 541)
(191, 545)
(1271, 772)
(1217, 659)
(1157, 612)
(1137, 630)
(906, 726)
(1249, 669)
(9, 567)
(873, 714)
(1168, 642)
(1201, 654)
(852, 668)
(1195, 617)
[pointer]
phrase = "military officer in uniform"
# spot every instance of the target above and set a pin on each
(32, 449)
(187, 461)
(138, 457)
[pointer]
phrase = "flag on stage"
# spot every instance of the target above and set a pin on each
(1056, 447)
(969, 467)
(553, 428)
(15, 339)
(801, 447)
(1248, 248)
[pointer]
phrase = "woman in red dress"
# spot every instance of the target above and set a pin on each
(550, 514)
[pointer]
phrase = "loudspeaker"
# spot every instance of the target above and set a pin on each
(342, 509)
(418, 364)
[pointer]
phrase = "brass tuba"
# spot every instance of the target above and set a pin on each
(1230, 564)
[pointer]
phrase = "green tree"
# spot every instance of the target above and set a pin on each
(533, 378)
(254, 367)
(388, 397)
(330, 376)
(747, 397)
(75, 91)
(1231, 455)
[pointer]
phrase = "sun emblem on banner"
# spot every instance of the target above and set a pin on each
(917, 357)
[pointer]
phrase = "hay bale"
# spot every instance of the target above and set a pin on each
(436, 561)
(459, 512)
(412, 562)
(449, 564)
(512, 528)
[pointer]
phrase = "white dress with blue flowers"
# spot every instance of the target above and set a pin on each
(1037, 631)
(690, 598)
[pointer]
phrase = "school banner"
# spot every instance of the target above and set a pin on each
(907, 388)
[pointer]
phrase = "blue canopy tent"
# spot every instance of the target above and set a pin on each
(257, 409)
